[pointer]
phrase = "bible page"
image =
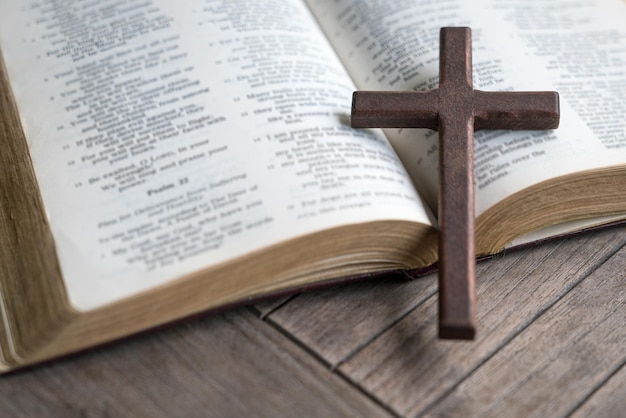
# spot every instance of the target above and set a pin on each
(575, 48)
(170, 136)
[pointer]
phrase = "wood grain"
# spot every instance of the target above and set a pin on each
(224, 365)
(609, 400)
(551, 367)
(408, 369)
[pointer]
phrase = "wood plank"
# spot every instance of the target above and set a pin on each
(409, 369)
(338, 321)
(232, 364)
(554, 364)
(609, 400)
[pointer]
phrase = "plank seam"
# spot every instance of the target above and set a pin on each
(326, 364)
(382, 330)
(263, 316)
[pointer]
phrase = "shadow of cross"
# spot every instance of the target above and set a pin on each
(456, 110)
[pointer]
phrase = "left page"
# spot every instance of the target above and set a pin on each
(171, 136)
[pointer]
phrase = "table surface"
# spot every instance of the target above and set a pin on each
(551, 342)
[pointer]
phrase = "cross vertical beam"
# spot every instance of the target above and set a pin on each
(457, 312)
(456, 110)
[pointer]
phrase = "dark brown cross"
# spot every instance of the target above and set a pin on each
(456, 110)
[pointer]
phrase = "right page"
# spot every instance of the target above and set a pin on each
(575, 48)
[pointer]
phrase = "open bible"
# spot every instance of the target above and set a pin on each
(160, 159)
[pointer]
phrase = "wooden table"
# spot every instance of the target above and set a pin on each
(551, 341)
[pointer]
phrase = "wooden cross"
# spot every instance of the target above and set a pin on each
(456, 110)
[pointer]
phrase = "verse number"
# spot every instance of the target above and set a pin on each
(183, 180)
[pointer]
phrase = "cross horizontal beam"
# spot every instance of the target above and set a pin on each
(493, 110)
